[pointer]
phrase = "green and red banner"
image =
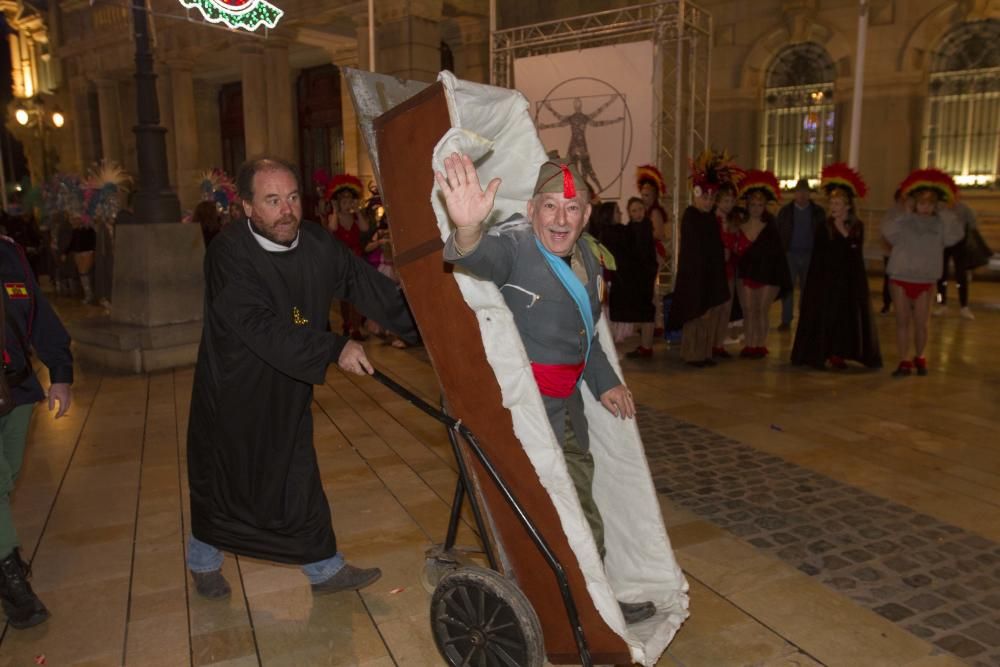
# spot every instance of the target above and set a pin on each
(246, 14)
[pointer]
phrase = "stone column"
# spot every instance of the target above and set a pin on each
(472, 52)
(356, 159)
(280, 115)
(408, 38)
(254, 101)
(188, 157)
(109, 107)
(83, 123)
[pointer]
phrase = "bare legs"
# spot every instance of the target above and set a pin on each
(756, 303)
(912, 317)
(646, 335)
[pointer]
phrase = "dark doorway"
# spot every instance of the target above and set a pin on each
(234, 145)
(321, 133)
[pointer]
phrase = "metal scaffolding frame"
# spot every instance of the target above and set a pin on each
(681, 33)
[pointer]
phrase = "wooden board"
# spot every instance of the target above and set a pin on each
(406, 137)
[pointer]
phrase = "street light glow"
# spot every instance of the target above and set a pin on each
(22, 116)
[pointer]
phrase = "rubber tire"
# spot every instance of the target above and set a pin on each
(464, 601)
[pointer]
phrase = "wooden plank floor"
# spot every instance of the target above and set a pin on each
(101, 507)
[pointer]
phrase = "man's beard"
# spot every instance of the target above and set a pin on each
(267, 234)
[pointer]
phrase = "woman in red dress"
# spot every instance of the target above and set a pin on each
(347, 225)
(762, 269)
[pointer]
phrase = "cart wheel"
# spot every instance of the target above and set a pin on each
(480, 618)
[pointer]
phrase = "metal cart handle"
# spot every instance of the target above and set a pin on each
(536, 537)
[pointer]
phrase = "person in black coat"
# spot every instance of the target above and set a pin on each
(633, 246)
(835, 318)
(762, 269)
(254, 480)
(798, 223)
(701, 289)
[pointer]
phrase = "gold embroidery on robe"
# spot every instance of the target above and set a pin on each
(297, 317)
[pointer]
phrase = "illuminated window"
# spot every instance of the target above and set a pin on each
(963, 105)
(799, 118)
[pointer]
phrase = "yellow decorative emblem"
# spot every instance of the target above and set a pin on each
(297, 317)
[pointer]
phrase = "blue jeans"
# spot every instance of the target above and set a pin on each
(798, 265)
(202, 557)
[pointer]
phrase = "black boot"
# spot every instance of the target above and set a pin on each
(22, 606)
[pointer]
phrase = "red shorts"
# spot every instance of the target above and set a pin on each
(912, 290)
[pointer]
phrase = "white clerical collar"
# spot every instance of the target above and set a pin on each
(269, 245)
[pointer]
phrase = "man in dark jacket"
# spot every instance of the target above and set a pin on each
(798, 223)
(29, 322)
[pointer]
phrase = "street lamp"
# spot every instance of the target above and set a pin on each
(32, 113)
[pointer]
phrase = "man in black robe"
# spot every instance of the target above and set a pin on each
(254, 481)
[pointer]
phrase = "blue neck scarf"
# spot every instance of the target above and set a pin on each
(575, 288)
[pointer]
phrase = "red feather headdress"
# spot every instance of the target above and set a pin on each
(344, 182)
(758, 180)
(930, 179)
(713, 169)
(839, 175)
(647, 173)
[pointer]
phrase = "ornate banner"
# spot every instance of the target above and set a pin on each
(246, 14)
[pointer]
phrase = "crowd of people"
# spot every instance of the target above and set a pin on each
(741, 250)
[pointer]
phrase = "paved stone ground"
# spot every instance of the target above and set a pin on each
(936, 580)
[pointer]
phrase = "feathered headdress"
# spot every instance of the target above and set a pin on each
(104, 181)
(217, 186)
(321, 179)
(764, 182)
(648, 173)
(344, 182)
(839, 175)
(930, 179)
(715, 168)
(63, 193)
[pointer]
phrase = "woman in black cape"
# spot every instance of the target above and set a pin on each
(634, 248)
(836, 323)
(762, 269)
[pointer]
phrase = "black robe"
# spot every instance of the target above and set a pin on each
(631, 298)
(835, 317)
(765, 261)
(701, 269)
(254, 481)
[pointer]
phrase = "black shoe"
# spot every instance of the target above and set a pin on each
(636, 611)
(348, 578)
(696, 364)
(22, 606)
(710, 362)
(211, 585)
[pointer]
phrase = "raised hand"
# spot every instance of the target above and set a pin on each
(468, 204)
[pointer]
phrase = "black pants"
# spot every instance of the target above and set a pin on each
(956, 254)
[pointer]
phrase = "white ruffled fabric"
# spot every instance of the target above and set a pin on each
(640, 563)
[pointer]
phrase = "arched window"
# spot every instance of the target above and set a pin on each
(962, 133)
(799, 120)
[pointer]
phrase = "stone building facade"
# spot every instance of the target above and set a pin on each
(225, 94)
(782, 75)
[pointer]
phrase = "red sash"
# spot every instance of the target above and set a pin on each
(556, 380)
